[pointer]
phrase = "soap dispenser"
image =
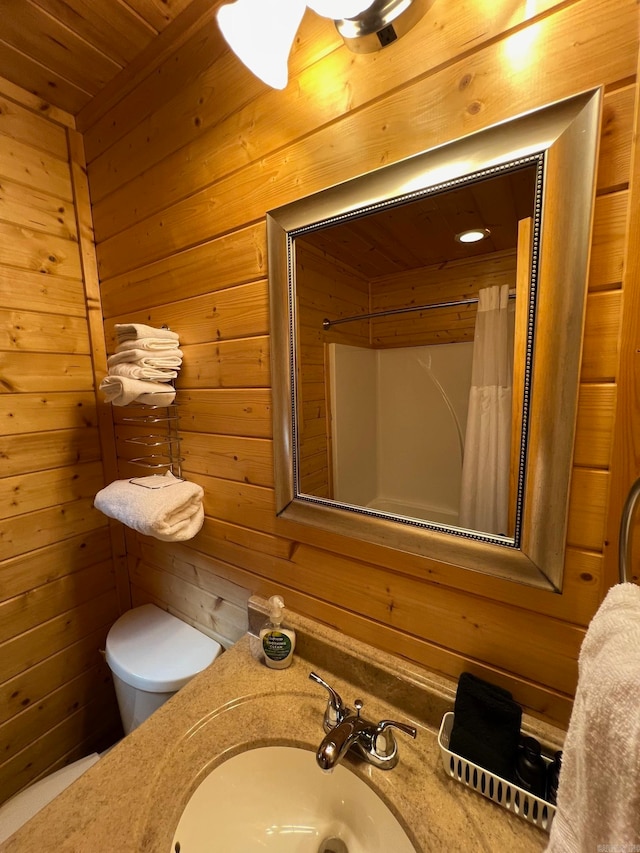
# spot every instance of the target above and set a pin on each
(278, 642)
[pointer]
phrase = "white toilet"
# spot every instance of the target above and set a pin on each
(151, 655)
(24, 805)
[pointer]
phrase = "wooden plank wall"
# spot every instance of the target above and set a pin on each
(331, 289)
(180, 184)
(453, 282)
(57, 587)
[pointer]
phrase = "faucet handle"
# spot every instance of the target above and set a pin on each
(336, 710)
(385, 744)
(392, 724)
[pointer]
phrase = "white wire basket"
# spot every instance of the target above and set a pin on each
(533, 809)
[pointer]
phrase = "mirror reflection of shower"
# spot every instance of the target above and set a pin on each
(391, 362)
(399, 419)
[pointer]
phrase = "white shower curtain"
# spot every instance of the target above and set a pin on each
(484, 499)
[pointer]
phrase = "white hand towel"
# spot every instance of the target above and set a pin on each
(599, 789)
(144, 359)
(131, 331)
(135, 371)
(122, 390)
(161, 506)
(148, 344)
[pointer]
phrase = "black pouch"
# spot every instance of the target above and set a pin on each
(486, 726)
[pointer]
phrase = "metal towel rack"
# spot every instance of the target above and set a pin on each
(164, 442)
(626, 529)
(165, 445)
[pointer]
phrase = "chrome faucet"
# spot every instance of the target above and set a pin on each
(375, 742)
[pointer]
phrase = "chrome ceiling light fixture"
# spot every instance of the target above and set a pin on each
(261, 32)
(382, 23)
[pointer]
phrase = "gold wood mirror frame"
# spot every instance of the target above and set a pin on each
(563, 140)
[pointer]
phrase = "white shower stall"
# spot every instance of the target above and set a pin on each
(398, 421)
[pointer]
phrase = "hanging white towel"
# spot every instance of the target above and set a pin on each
(122, 390)
(148, 344)
(144, 359)
(161, 506)
(599, 790)
(131, 331)
(136, 371)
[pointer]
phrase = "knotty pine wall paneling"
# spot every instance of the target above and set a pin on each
(57, 581)
(451, 282)
(332, 290)
(179, 195)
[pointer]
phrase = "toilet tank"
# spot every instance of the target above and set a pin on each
(152, 654)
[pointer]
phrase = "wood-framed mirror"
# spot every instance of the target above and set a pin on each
(396, 418)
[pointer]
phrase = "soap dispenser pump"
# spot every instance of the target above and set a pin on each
(278, 642)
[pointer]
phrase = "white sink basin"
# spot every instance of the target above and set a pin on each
(276, 798)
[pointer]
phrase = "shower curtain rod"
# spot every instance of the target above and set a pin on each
(326, 324)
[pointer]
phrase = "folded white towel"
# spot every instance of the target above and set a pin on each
(599, 789)
(161, 506)
(148, 344)
(136, 371)
(144, 359)
(122, 390)
(131, 331)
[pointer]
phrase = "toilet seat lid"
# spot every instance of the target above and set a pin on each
(152, 650)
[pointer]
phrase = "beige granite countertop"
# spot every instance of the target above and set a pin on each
(131, 799)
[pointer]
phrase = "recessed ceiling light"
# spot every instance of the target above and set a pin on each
(474, 235)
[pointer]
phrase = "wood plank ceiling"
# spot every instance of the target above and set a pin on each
(421, 233)
(66, 51)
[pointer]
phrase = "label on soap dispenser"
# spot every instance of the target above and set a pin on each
(276, 645)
